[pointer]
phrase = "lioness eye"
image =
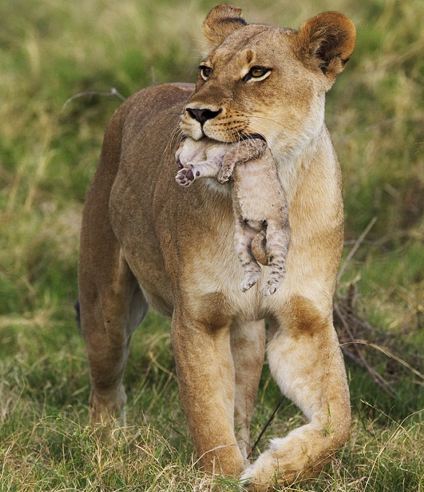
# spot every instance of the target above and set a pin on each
(205, 71)
(257, 73)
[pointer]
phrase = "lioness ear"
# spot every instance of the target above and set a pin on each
(326, 42)
(221, 21)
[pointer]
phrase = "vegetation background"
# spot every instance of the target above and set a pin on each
(51, 50)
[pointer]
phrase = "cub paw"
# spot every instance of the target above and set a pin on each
(223, 176)
(250, 280)
(185, 177)
(271, 287)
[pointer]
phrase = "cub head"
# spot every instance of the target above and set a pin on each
(266, 81)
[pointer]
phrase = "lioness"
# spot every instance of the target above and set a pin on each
(259, 203)
(144, 240)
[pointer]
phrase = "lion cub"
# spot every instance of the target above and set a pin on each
(259, 202)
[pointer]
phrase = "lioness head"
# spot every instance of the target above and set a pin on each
(265, 80)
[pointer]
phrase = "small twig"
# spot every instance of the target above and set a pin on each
(359, 357)
(375, 376)
(388, 354)
(355, 247)
(111, 93)
(265, 427)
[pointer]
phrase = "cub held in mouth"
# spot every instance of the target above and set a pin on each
(259, 202)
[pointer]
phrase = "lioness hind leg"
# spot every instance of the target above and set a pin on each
(110, 311)
(111, 303)
(305, 360)
(248, 349)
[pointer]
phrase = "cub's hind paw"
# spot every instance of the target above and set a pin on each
(250, 280)
(271, 288)
(185, 176)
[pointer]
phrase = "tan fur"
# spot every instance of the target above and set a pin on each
(222, 21)
(145, 240)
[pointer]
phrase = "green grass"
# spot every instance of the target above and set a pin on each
(50, 51)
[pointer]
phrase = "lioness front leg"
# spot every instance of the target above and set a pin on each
(248, 349)
(203, 169)
(205, 372)
(306, 362)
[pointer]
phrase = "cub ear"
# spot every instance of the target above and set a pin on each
(221, 21)
(326, 42)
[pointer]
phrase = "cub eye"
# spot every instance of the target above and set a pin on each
(205, 71)
(257, 73)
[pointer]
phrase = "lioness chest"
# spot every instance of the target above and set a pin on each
(212, 274)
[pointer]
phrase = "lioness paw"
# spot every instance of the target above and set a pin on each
(260, 476)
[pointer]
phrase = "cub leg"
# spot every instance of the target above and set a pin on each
(243, 237)
(248, 349)
(203, 169)
(239, 153)
(205, 373)
(306, 362)
(226, 169)
(277, 245)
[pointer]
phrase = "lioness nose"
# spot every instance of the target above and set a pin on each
(202, 115)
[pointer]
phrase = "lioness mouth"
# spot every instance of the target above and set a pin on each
(245, 136)
(252, 136)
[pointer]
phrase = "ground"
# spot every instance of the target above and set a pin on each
(49, 145)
